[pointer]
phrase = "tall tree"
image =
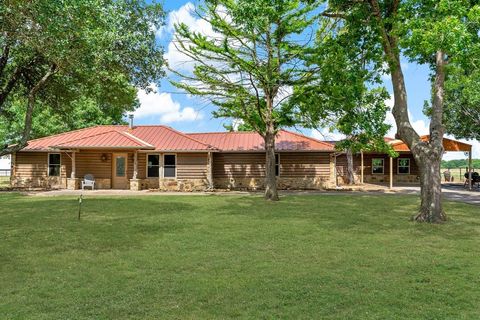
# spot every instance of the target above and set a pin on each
(55, 53)
(249, 65)
(348, 96)
(435, 33)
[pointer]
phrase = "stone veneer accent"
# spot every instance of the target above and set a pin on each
(135, 184)
(402, 178)
(307, 183)
(166, 184)
(47, 183)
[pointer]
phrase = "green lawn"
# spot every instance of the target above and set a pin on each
(217, 257)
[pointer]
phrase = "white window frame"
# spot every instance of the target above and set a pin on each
(383, 166)
(163, 165)
(398, 165)
(279, 167)
(159, 165)
(59, 165)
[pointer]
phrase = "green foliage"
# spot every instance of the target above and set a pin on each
(253, 57)
(462, 105)
(460, 163)
(92, 54)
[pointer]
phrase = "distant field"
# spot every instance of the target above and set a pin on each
(4, 182)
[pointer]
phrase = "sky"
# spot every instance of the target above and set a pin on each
(170, 106)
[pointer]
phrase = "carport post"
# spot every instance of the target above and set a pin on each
(470, 169)
(391, 173)
(361, 167)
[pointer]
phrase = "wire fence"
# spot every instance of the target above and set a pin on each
(4, 172)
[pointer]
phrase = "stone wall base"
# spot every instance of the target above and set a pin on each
(182, 184)
(47, 183)
(376, 178)
(301, 183)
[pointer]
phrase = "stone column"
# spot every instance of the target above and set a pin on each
(72, 182)
(210, 170)
(134, 182)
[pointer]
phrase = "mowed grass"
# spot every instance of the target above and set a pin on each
(218, 257)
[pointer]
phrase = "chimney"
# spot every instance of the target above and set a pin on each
(130, 116)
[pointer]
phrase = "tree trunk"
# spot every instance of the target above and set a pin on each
(428, 154)
(350, 170)
(431, 209)
(270, 178)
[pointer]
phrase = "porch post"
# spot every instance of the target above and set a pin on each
(74, 169)
(470, 169)
(135, 165)
(361, 167)
(391, 173)
(210, 170)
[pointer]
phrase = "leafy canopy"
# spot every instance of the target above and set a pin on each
(66, 57)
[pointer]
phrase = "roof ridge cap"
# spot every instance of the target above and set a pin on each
(136, 139)
(193, 139)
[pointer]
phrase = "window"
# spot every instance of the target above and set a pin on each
(153, 165)
(277, 164)
(377, 165)
(169, 166)
(403, 166)
(54, 164)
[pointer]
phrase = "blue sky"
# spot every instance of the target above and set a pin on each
(172, 107)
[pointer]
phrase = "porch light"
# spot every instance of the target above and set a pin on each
(104, 157)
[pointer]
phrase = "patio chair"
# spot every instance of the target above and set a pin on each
(88, 181)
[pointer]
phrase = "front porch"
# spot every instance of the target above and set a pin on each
(138, 170)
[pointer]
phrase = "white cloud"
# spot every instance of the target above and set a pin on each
(185, 14)
(162, 105)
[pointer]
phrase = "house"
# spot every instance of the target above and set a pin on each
(159, 157)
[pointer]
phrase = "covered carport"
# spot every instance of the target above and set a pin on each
(449, 145)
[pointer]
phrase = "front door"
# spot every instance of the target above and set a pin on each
(119, 174)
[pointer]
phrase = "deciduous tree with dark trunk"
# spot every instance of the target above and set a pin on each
(249, 64)
(60, 54)
(435, 33)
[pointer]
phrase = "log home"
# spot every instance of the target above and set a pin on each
(159, 157)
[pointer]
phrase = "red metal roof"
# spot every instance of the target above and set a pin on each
(160, 138)
(163, 138)
(252, 141)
